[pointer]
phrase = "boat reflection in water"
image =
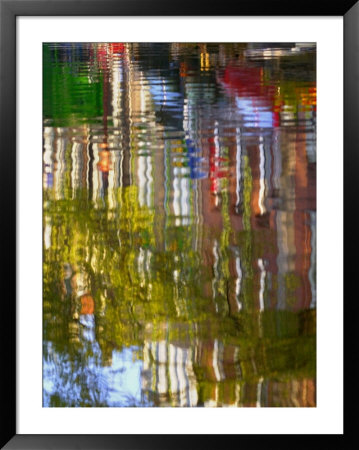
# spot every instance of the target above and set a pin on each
(179, 224)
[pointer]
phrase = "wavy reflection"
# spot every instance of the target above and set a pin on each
(179, 225)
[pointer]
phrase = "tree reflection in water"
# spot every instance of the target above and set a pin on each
(179, 223)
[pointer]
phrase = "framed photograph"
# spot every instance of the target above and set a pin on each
(173, 227)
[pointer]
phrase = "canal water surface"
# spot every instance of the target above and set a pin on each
(179, 225)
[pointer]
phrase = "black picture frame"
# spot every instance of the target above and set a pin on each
(9, 11)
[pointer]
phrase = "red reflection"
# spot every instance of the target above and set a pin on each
(87, 304)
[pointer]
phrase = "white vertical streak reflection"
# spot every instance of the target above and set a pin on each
(262, 284)
(261, 295)
(141, 174)
(259, 392)
(182, 376)
(59, 174)
(185, 200)
(176, 196)
(96, 176)
(149, 181)
(238, 282)
(146, 379)
(47, 232)
(112, 180)
(162, 385)
(48, 150)
(216, 140)
(173, 372)
(217, 361)
(192, 389)
(76, 167)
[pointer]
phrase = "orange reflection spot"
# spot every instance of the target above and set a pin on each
(183, 69)
(87, 304)
(104, 163)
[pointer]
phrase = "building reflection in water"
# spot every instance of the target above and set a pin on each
(179, 225)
